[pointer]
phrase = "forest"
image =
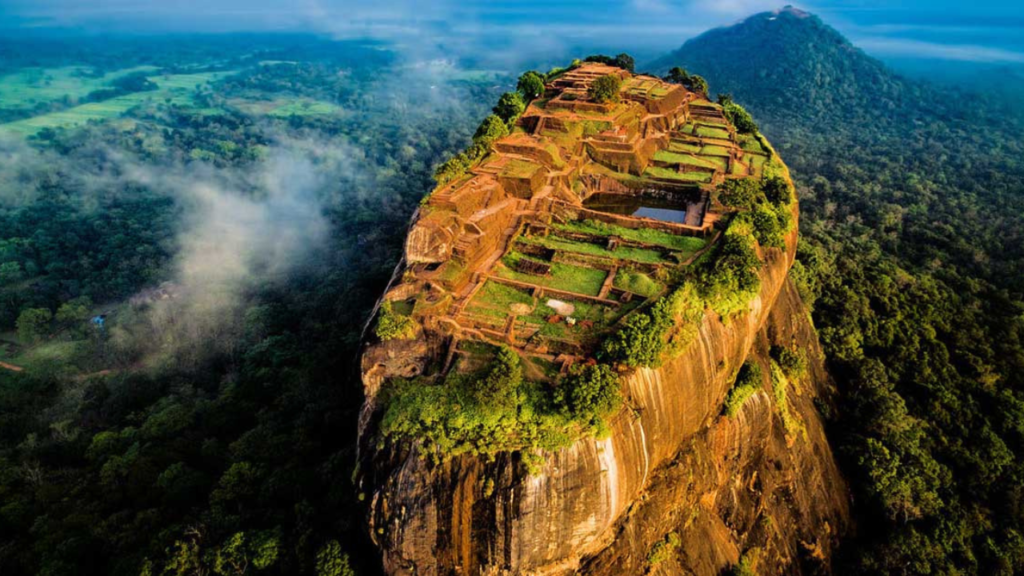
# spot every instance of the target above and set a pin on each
(911, 257)
(207, 423)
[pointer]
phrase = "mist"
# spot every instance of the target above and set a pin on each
(511, 33)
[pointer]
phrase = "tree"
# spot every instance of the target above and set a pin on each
(605, 89)
(739, 193)
(590, 392)
(698, 84)
(530, 85)
(509, 107)
(678, 75)
(10, 272)
(33, 324)
(491, 129)
(638, 343)
(74, 312)
(331, 561)
(451, 168)
(736, 114)
(625, 61)
(392, 326)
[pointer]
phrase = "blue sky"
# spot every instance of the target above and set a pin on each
(988, 32)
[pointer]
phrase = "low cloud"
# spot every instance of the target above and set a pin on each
(903, 47)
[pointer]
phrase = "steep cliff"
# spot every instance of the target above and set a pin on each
(669, 481)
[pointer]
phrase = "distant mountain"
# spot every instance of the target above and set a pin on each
(789, 65)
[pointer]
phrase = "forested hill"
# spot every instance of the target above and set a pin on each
(912, 215)
(793, 65)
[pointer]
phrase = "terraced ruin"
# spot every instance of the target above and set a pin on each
(582, 215)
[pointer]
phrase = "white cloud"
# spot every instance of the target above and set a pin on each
(903, 47)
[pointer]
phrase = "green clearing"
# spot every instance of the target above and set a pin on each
(176, 89)
(45, 357)
(576, 279)
(666, 174)
(683, 146)
(710, 132)
(712, 162)
(637, 283)
(282, 108)
(713, 150)
(623, 252)
(750, 144)
(29, 87)
(688, 245)
(495, 299)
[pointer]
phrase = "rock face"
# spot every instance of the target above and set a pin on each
(671, 464)
(675, 487)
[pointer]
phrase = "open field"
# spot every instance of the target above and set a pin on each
(28, 87)
(172, 89)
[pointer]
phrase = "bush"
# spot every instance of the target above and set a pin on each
(739, 117)
(698, 84)
(728, 283)
(495, 410)
(452, 168)
(678, 75)
(491, 129)
(510, 106)
(33, 324)
(605, 89)
(739, 193)
(391, 326)
(777, 190)
(638, 343)
(747, 383)
(530, 85)
(769, 228)
(590, 393)
(663, 549)
(792, 363)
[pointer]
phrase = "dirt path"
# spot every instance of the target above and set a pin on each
(11, 367)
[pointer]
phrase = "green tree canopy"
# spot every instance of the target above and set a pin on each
(605, 89)
(678, 75)
(510, 106)
(491, 129)
(530, 85)
(33, 324)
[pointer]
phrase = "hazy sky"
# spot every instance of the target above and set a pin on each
(942, 29)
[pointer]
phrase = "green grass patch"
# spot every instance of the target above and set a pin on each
(712, 162)
(622, 252)
(172, 89)
(709, 132)
(683, 146)
(638, 283)
(688, 245)
(667, 174)
(713, 150)
(29, 87)
(577, 279)
(495, 299)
